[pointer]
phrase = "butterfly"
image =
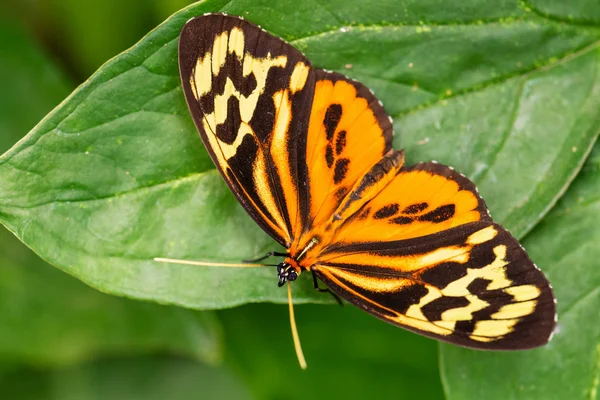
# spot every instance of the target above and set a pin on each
(308, 153)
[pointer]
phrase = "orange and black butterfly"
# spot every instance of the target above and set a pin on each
(308, 153)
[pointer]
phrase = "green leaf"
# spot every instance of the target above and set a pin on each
(49, 318)
(124, 379)
(565, 245)
(117, 174)
(350, 354)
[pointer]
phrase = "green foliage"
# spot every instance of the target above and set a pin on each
(144, 378)
(505, 91)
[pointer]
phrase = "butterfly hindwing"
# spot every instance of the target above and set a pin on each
(250, 96)
(471, 285)
(423, 199)
(424, 254)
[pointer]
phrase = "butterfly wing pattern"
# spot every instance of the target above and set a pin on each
(439, 265)
(250, 94)
(308, 153)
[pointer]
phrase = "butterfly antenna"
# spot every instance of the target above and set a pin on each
(297, 345)
(211, 264)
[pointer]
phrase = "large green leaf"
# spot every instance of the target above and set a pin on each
(117, 175)
(566, 245)
(47, 317)
(124, 379)
(50, 318)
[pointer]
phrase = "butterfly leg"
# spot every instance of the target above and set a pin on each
(269, 254)
(317, 288)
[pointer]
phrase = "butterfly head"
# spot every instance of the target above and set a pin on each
(286, 272)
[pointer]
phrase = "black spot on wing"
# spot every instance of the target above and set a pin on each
(463, 182)
(332, 119)
(482, 255)
(263, 121)
(415, 208)
(433, 311)
(341, 169)
(440, 214)
(207, 103)
(464, 327)
(340, 193)
(443, 274)
(386, 211)
(340, 142)
(401, 300)
(247, 85)
(227, 131)
(401, 220)
(479, 285)
(329, 156)
(364, 213)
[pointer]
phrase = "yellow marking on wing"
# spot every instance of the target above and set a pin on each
(201, 80)
(219, 52)
(236, 42)
(229, 150)
(261, 181)
(299, 76)
(279, 150)
(212, 62)
(523, 292)
(435, 257)
(413, 318)
(465, 313)
(492, 329)
(451, 325)
(220, 113)
(371, 283)
(494, 272)
(423, 325)
(283, 116)
(407, 263)
(260, 67)
(482, 236)
(415, 310)
(515, 310)
(193, 86)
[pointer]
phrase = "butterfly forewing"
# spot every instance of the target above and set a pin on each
(250, 96)
(349, 132)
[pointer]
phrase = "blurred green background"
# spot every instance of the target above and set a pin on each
(60, 339)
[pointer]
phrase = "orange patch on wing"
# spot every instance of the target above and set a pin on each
(344, 141)
(416, 203)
